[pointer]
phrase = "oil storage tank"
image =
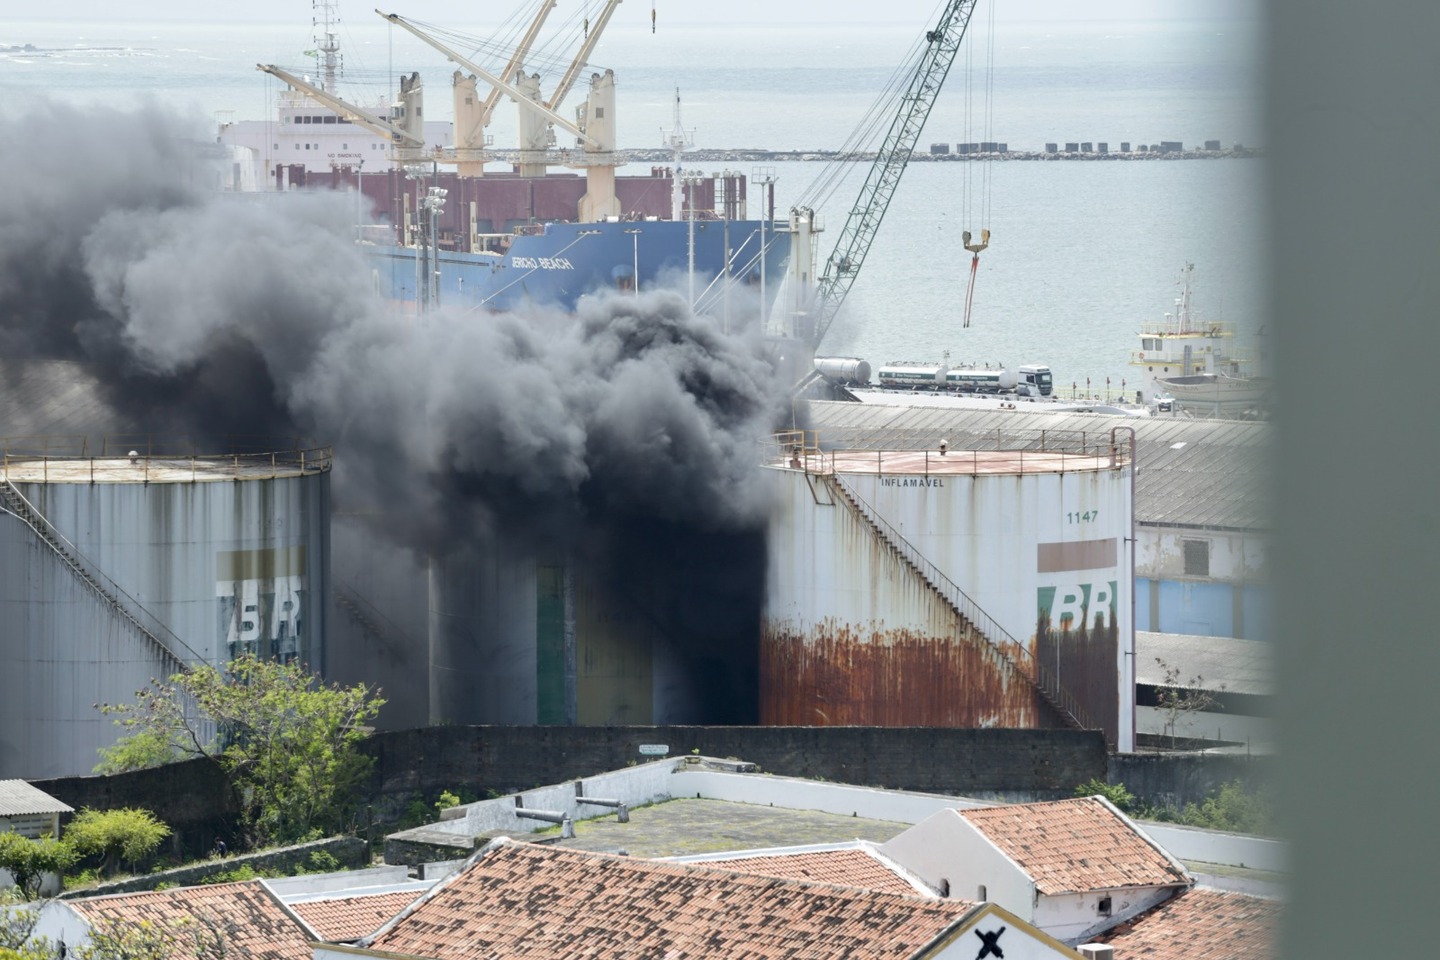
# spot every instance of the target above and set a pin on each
(130, 560)
(942, 587)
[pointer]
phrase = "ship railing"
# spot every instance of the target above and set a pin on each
(1046, 680)
(1022, 451)
(1167, 328)
(144, 457)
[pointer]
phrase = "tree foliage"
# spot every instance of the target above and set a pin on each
(1116, 793)
(126, 835)
(17, 929)
(29, 860)
(286, 741)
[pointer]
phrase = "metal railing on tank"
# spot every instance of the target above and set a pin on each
(146, 457)
(1024, 451)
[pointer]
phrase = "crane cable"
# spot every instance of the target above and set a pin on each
(988, 133)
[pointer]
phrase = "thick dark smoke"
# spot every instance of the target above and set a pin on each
(626, 432)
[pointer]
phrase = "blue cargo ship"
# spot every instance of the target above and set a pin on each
(561, 262)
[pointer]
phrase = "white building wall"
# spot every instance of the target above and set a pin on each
(945, 849)
(1075, 917)
(1235, 557)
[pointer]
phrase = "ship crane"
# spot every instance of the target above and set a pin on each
(861, 225)
(408, 142)
(595, 132)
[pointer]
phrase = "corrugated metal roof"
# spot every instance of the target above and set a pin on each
(1239, 666)
(52, 398)
(1194, 473)
(20, 799)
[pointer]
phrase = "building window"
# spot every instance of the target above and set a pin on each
(1104, 906)
(1197, 558)
(981, 894)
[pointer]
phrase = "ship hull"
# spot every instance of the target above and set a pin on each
(564, 262)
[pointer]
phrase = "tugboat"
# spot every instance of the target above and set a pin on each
(1194, 364)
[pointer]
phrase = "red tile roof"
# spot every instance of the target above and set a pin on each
(1067, 846)
(1200, 925)
(846, 868)
(523, 901)
(250, 920)
(340, 919)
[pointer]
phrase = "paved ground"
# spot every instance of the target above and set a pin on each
(679, 827)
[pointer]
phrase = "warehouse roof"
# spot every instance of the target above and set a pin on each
(1195, 473)
(52, 398)
(1237, 666)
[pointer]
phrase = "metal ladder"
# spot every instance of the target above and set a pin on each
(975, 620)
(13, 502)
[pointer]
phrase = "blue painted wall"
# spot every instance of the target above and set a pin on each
(1203, 608)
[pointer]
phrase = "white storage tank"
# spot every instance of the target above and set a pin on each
(121, 564)
(947, 587)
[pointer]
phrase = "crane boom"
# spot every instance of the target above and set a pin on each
(489, 77)
(398, 135)
(855, 238)
(522, 49)
(592, 37)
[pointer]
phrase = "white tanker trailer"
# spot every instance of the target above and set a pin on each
(1026, 380)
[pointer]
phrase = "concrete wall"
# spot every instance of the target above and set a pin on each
(1018, 764)
(1174, 780)
(191, 798)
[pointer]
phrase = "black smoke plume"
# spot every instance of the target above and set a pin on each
(625, 433)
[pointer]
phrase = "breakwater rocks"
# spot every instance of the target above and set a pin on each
(773, 156)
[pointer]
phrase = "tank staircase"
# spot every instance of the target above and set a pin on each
(126, 607)
(974, 620)
(369, 619)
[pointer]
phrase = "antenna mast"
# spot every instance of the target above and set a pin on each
(327, 45)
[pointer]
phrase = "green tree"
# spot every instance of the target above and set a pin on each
(29, 860)
(126, 835)
(286, 742)
(1232, 808)
(1116, 793)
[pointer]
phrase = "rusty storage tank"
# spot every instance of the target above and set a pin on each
(128, 560)
(947, 587)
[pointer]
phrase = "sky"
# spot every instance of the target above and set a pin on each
(673, 11)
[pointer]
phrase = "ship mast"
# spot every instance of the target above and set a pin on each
(678, 141)
(327, 45)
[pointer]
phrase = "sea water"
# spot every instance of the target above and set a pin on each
(1082, 252)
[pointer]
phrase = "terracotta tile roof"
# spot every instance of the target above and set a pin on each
(527, 902)
(1067, 846)
(1200, 925)
(253, 923)
(856, 867)
(340, 919)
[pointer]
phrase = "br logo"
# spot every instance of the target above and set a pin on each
(1066, 607)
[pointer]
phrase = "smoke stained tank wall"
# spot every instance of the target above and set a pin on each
(230, 554)
(613, 632)
(378, 619)
(852, 634)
